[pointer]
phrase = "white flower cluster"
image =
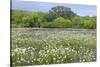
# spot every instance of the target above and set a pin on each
(52, 46)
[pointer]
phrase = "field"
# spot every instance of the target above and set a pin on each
(34, 46)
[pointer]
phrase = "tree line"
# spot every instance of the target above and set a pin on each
(57, 17)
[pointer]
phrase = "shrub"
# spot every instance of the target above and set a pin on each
(61, 22)
(89, 24)
(77, 21)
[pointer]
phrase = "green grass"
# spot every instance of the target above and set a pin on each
(52, 46)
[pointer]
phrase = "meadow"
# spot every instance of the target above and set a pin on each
(39, 46)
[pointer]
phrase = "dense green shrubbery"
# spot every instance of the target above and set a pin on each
(52, 19)
(27, 19)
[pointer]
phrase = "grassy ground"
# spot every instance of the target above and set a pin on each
(31, 46)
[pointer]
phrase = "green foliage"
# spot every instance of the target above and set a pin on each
(60, 11)
(27, 19)
(84, 22)
(38, 18)
(61, 22)
(58, 17)
(90, 23)
(58, 23)
(77, 21)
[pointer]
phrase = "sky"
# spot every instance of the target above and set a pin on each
(82, 10)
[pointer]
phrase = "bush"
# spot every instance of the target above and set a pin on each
(22, 19)
(77, 21)
(61, 22)
(88, 24)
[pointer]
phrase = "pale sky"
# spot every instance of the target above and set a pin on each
(83, 10)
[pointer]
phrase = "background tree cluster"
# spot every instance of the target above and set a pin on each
(57, 17)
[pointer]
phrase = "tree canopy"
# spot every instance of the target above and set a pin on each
(60, 11)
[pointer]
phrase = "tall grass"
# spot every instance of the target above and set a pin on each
(52, 46)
